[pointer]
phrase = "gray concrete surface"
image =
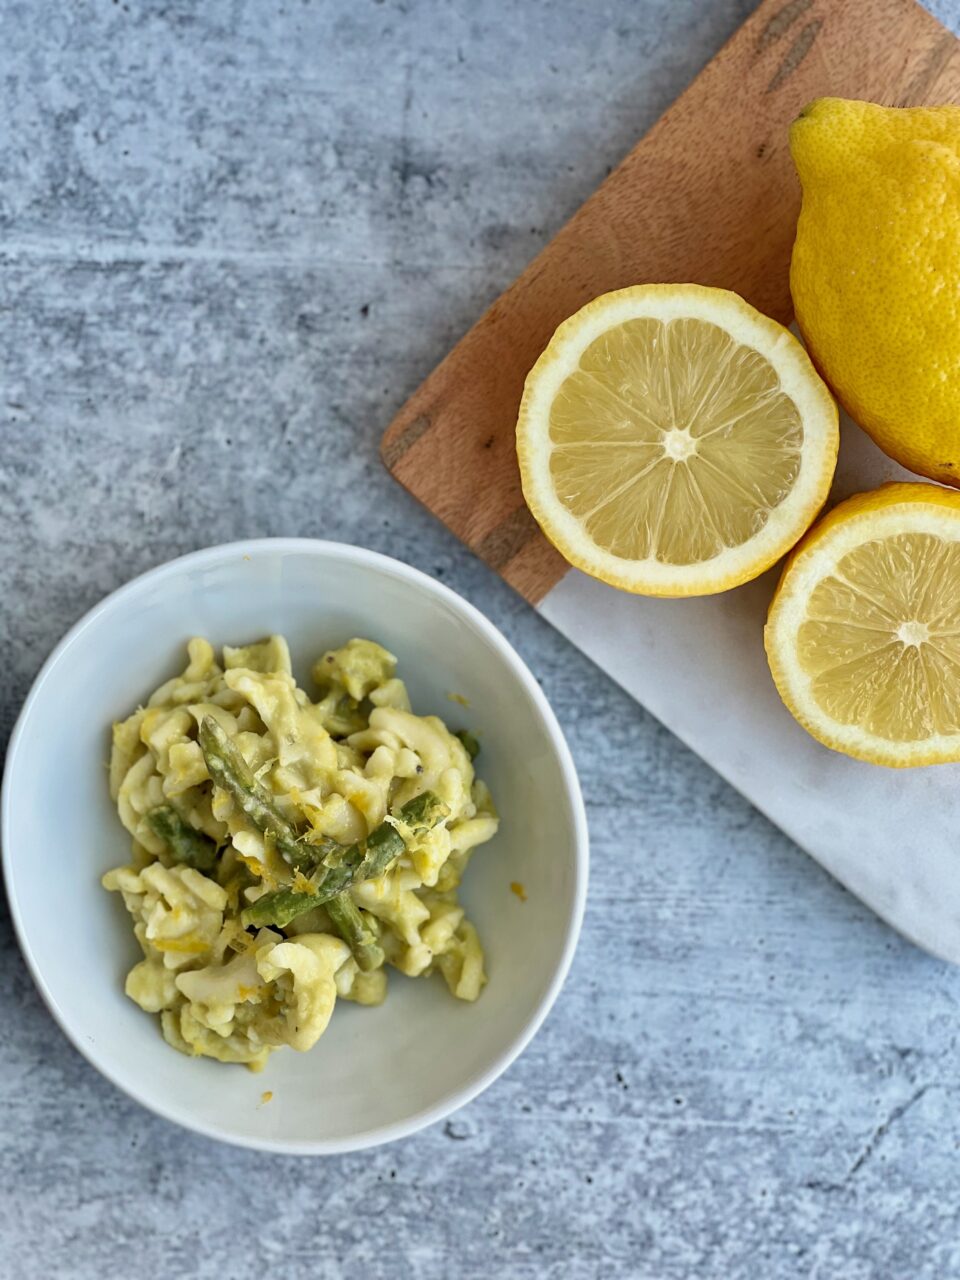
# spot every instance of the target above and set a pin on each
(233, 237)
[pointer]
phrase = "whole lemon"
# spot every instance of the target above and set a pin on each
(875, 274)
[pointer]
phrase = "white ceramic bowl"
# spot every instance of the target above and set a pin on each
(377, 1074)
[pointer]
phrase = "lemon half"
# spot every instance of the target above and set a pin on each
(673, 441)
(863, 636)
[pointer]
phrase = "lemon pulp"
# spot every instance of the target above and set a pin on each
(881, 644)
(671, 441)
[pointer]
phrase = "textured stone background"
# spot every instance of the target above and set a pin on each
(235, 235)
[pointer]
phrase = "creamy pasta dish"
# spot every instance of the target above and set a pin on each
(286, 851)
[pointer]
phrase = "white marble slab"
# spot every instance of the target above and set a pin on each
(892, 837)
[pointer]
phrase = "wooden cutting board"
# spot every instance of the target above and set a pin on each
(708, 195)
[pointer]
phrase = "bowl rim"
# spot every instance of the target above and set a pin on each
(342, 551)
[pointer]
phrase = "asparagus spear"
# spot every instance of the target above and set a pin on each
(278, 908)
(188, 846)
(230, 771)
(348, 864)
(355, 930)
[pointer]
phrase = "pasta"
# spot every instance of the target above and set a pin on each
(286, 851)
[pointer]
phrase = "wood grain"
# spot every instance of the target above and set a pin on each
(709, 194)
